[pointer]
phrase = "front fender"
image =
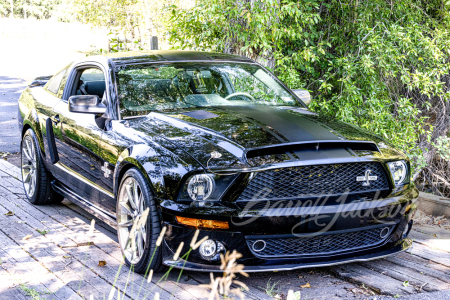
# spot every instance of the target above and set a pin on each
(163, 169)
(28, 117)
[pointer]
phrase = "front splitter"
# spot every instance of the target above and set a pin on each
(189, 266)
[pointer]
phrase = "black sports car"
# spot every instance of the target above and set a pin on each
(213, 142)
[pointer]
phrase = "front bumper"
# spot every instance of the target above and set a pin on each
(330, 220)
(291, 265)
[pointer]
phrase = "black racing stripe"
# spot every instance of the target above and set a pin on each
(293, 128)
(269, 130)
(257, 123)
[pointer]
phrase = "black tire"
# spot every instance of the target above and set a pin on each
(43, 192)
(146, 262)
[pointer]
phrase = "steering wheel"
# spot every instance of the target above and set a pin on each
(240, 94)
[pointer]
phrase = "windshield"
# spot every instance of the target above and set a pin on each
(146, 88)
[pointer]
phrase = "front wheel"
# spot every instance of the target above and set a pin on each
(35, 178)
(138, 247)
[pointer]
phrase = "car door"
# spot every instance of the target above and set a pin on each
(78, 144)
(45, 99)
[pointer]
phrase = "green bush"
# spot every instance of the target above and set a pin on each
(382, 65)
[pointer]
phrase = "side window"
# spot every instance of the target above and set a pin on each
(90, 81)
(55, 82)
(63, 82)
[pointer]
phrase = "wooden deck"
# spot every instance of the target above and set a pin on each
(63, 263)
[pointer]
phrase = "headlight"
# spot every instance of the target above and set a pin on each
(399, 171)
(200, 187)
(205, 187)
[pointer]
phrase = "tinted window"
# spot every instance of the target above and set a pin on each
(91, 82)
(146, 88)
(55, 82)
(63, 82)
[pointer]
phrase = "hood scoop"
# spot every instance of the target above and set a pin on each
(200, 114)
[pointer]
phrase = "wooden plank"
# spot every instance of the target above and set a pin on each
(8, 286)
(435, 231)
(430, 240)
(382, 284)
(421, 265)
(37, 220)
(404, 274)
(46, 257)
(77, 229)
(61, 219)
(33, 272)
(91, 255)
(204, 278)
(52, 257)
(435, 255)
(9, 169)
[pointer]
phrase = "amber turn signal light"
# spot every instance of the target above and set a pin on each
(199, 223)
(408, 208)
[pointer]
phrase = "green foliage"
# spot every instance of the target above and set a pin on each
(43, 231)
(442, 146)
(377, 64)
(33, 293)
(271, 289)
(38, 9)
(130, 22)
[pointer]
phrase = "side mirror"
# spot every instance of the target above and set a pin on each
(303, 95)
(88, 104)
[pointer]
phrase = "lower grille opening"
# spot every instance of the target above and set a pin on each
(324, 244)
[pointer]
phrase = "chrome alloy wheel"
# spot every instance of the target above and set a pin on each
(131, 207)
(29, 172)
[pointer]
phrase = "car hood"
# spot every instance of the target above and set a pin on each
(233, 130)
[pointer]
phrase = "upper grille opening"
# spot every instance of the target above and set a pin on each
(314, 181)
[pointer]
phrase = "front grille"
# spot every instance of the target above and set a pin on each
(313, 181)
(321, 244)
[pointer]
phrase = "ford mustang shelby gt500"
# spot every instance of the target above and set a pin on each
(217, 143)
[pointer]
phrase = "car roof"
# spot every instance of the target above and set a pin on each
(136, 57)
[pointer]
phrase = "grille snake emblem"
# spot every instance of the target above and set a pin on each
(366, 178)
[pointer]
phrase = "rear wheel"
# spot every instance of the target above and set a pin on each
(138, 247)
(35, 178)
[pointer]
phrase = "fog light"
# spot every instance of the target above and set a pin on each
(211, 249)
(208, 249)
(384, 232)
(259, 245)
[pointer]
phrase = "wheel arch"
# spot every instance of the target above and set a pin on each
(33, 123)
(130, 159)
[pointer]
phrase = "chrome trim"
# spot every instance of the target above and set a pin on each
(388, 230)
(262, 248)
(83, 179)
(297, 163)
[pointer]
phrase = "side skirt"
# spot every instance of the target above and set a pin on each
(85, 204)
